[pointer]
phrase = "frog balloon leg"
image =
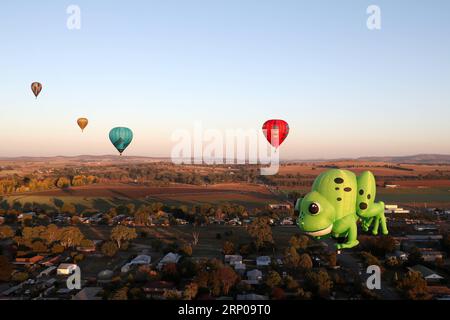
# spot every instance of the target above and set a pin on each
(329, 209)
(370, 212)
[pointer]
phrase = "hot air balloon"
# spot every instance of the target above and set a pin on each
(276, 131)
(82, 123)
(36, 87)
(121, 138)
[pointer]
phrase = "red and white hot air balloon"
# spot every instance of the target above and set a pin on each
(276, 131)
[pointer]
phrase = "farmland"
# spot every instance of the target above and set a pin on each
(104, 182)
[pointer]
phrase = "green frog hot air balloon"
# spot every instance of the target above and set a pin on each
(121, 138)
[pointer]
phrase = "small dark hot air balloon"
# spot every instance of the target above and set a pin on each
(121, 138)
(36, 87)
(276, 131)
(82, 123)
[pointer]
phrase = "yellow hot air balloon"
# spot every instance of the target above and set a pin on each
(82, 123)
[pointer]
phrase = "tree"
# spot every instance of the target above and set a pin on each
(6, 268)
(291, 257)
(414, 257)
(273, 279)
(20, 277)
(278, 294)
(305, 262)
(57, 249)
(413, 286)
(63, 183)
(319, 282)
(39, 247)
(109, 249)
(260, 231)
(190, 291)
(71, 237)
(51, 234)
(227, 277)
(142, 216)
(369, 259)
(228, 247)
(6, 232)
(69, 208)
(291, 283)
(121, 294)
(170, 272)
(122, 233)
(187, 250)
(331, 259)
(299, 242)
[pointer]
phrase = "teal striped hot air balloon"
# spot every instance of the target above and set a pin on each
(121, 138)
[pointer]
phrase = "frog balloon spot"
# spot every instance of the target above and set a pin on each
(339, 199)
(337, 188)
(339, 180)
(361, 192)
(369, 196)
(348, 189)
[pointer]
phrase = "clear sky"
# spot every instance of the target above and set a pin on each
(156, 66)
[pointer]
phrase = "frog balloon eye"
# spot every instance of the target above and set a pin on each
(314, 208)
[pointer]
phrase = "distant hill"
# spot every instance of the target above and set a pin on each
(414, 159)
(85, 158)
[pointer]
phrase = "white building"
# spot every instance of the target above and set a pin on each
(254, 276)
(263, 261)
(240, 268)
(287, 222)
(428, 274)
(233, 259)
(139, 260)
(46, 272)
(168, 258)
(66, 269)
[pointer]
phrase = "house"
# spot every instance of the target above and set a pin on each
(280, 206)
(46, 272)
(393, 208)
(251, 296)
(66, 269)
(400, 255)
(233, 259)
(426, 227)
(158, 287)
(240, 268)
(428, 274)
(88, 293)
(431, 255)
(168, 258)
(52, 261)
(105, 276)
(254, 276)
(139, 260)
(439, 292)
(391, 186)
(181, 222)
(28, 260)
(26, 215)
(287, 222)
(263, 261)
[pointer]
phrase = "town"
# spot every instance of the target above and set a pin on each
(159, 250)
